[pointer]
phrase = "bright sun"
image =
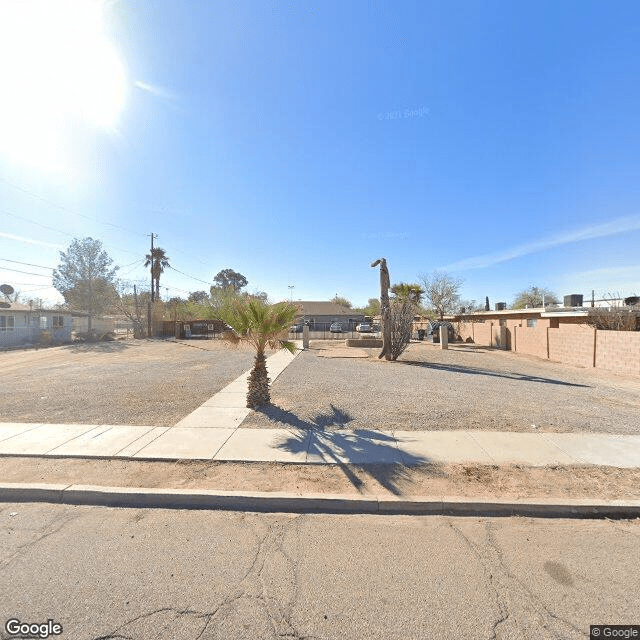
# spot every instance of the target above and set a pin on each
(58, 72)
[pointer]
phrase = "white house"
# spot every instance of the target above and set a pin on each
(21, 324)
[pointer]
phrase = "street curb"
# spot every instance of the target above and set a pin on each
(315, 503)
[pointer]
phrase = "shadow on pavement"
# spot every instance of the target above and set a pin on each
(349, 450)
(486, 372)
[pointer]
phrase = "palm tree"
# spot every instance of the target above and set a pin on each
(159, 260)
(261, 325)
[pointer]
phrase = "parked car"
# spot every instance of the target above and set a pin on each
(336, 327)
(364, 327)
(296, 328)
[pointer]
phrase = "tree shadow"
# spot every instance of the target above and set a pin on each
(115, 346)
(324, 439)
(486, 372)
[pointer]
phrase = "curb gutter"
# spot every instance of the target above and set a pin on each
(132, 497)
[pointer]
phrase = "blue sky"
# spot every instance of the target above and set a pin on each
(298, 142)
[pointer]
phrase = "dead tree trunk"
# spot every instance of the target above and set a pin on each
(385, 308)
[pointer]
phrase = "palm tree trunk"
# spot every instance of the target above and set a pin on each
(258, 393)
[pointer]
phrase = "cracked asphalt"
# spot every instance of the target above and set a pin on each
(139, 574)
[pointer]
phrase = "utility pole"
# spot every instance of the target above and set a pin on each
(153, 235)
(149, 324)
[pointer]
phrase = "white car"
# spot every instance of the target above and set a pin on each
(364, 327)
(336, 327)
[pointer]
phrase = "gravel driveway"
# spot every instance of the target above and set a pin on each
(466, 387)
(137, 382)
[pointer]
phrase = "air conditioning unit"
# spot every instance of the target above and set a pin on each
(573, 300)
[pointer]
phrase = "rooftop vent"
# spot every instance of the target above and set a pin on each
(501, 306)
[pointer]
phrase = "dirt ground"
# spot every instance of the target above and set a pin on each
(135, 382)
(509, 481)
(159, 382)
(464, 387)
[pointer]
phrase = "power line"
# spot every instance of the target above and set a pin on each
(66, 233)
(29, 284)
(188, 276)
(29, 264)
(44, 226)
(30, 273)
(72, 235)
(62, 208)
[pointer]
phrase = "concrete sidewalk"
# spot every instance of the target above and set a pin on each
(213, 432)
(299, 446)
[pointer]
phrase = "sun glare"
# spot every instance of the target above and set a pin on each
(58, 72)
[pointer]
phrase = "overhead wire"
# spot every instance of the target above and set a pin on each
(108, 246)
(29, 264)
(66, 209)
(29, 273)
(66, 233)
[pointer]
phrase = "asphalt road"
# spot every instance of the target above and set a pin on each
(199, 575)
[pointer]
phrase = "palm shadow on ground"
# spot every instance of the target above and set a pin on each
(487, 372)
(323, 438)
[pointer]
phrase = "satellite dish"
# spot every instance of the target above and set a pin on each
(5, 305)
(7, 289)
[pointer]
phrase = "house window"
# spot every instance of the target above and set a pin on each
(43, 322)
(7, 323)
(532, 322)
(58, 322)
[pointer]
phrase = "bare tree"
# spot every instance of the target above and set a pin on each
(615, 317)
(534, 297)
(470, 306)
(341, 300)
(132, 304)
(441, 291)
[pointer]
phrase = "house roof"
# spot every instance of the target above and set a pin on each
(541, 312)
(320, 308)
(16, 306)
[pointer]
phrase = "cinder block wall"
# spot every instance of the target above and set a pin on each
(465, 329)
(532, 341)
(618, 351)
(572, 345)
(482, 333)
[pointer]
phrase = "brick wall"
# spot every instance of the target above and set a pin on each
(618, 351)
(532, 341)
(572, 344)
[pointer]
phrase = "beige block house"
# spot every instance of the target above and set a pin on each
(320, 315)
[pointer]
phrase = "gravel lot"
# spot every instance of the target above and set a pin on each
(137, 382)
(466, 387)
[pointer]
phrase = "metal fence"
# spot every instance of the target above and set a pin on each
(327, 334)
